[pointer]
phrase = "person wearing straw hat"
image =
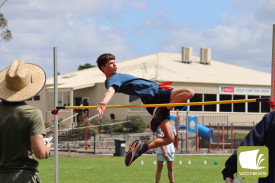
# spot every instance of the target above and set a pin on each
(21, 125)
(150, 92)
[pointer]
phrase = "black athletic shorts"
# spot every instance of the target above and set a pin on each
(161, 97)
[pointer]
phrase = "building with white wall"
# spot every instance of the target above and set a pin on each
(210, 79)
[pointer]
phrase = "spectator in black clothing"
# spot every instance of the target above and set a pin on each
(261, 135)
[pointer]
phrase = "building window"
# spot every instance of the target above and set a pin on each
(253, 106)
(63, 99)
(203, 98)
(66, 98)
(238, 107)
(225, 107)
(196, 98)
(36, 97)
(264, 105)
(256, 107)
(207, 98)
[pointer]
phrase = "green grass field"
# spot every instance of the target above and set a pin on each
(112, 169)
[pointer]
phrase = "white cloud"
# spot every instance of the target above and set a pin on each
(140, 5)
(265, 11)
(84, 29)
(241, 39)
(37, 26)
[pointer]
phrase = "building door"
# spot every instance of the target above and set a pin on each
(77, 101)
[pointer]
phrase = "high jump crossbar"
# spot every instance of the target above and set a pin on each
(169, 104)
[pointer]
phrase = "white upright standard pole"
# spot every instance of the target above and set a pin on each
(272, 97)
(55, 117)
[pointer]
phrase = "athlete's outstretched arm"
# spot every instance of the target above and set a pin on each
(108, 96)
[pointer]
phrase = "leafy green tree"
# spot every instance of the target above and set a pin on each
(137, 124)
(85, 66)
(5, 32)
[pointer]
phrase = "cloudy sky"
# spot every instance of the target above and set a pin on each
(238, 31)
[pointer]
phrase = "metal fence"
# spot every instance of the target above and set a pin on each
(72, 138)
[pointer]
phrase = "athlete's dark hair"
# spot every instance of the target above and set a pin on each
(103, 59)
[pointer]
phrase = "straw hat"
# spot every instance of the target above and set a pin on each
(21, 81)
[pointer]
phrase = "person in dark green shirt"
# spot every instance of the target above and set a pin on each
(22, 127)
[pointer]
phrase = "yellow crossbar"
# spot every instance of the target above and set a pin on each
(169, 104)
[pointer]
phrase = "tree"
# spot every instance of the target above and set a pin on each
(5, 33)
(137, 124)
(85, 66)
